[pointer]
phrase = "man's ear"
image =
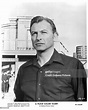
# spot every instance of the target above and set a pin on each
(55, 36)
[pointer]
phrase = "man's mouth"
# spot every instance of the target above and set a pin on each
(39, 43)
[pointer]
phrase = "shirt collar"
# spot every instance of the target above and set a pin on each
(56, 57)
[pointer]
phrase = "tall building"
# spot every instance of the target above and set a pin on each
(81, 52)
(8, 36)
(16, 34)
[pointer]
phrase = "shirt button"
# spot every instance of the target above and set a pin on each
(40, 71)
(39, 84)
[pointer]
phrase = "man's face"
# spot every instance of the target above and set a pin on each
(42, 36)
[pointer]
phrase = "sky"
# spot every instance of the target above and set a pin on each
(69, 18)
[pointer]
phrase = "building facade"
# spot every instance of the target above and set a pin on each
(81, 52)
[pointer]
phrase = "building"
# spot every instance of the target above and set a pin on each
(74, 55)
(81, 54)
(15, 35)
(16, 42)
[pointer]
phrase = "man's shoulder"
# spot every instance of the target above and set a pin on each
(68, 59)
(27, 63)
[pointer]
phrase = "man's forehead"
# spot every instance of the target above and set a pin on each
(41, 25)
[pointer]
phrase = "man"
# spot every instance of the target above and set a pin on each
(5, 82)
(49, 76)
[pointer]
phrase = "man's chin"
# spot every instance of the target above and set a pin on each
(40, 50)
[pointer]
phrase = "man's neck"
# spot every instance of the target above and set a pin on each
(44, 56)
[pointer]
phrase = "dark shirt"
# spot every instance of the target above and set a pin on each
(62, 78)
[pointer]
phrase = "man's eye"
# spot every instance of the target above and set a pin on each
(43, 32)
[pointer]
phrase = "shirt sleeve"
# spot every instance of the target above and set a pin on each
(17, 88)
(79, 83)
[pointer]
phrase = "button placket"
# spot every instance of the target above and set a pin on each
(39, 84)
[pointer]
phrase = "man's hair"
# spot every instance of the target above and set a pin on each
(38, 19)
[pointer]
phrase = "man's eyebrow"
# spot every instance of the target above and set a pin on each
(39, 30)
(43, 30)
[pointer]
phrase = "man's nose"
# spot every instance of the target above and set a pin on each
(38, 37)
